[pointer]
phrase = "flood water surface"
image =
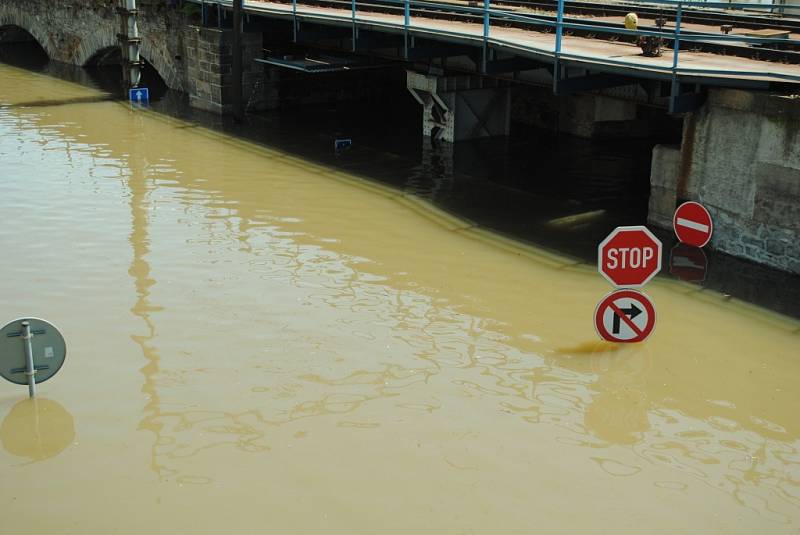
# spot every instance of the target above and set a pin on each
(262, 344)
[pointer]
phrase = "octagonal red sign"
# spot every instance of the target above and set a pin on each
(629, 257)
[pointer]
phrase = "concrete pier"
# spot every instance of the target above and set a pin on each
(209, 61)
(740, 157)
(585, 115)
(459, 108)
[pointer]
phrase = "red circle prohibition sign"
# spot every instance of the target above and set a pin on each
(692, 223)
(625, 316)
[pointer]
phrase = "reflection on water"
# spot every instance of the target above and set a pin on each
(37, 429)
(341, 354)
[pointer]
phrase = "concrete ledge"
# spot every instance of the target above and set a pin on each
(664, 170)
(786, 107)
(741, 158)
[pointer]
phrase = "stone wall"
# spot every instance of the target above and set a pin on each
(73, 32)
(740, 157)
(209, 59)
(189, 58)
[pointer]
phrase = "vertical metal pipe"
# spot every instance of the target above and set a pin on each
(130, 44)
(674, 90)
(236, 67)
(406, 23)
(30, 371)
(557, 51)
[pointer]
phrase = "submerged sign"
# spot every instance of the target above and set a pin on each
(629, 256)
(32, 350)
(139, 95)
(625, 316)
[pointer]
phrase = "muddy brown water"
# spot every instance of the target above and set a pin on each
(258, 343)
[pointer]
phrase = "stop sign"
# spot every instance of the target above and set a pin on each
(629, 256)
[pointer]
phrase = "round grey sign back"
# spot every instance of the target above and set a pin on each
(49, 351)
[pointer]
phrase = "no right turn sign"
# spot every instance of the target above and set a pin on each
(625, 316)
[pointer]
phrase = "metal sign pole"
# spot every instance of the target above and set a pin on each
(30, 371)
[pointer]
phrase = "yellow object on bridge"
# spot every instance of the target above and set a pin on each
(631, 21)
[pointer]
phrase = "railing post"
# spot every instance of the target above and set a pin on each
(294, 20)
(236, 64)
(406, 22)
(353, 15)
(557, 52)
(486, 5)
(676, 48)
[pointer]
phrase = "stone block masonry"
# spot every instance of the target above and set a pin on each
(190, 59)
(74, 32)
(209, 60)
(740, 157)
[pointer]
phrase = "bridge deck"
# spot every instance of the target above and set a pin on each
(593, 53)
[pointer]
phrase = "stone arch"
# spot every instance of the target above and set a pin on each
(12, 17)
(94, 43)
(159, 58)
(99, 57)
(154, 55)
(77, 44)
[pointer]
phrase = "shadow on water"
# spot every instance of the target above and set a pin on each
(37, 429)
(554, 191)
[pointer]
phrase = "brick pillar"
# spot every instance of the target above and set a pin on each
(209, 56)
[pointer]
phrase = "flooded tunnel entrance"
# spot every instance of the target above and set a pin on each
(21, 49)
(538, 184)
(105, 68)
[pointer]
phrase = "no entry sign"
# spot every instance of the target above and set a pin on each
(625, 316)
(629, 256)
(692, 224)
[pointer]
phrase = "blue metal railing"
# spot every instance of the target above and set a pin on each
(487, 14)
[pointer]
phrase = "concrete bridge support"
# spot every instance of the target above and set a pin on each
(209, 62)
(585, 115)
(740, 157)
(458, 108)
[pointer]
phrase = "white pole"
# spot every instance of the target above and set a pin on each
(30, 371)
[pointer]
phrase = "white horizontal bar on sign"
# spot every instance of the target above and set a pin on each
(692, 224)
